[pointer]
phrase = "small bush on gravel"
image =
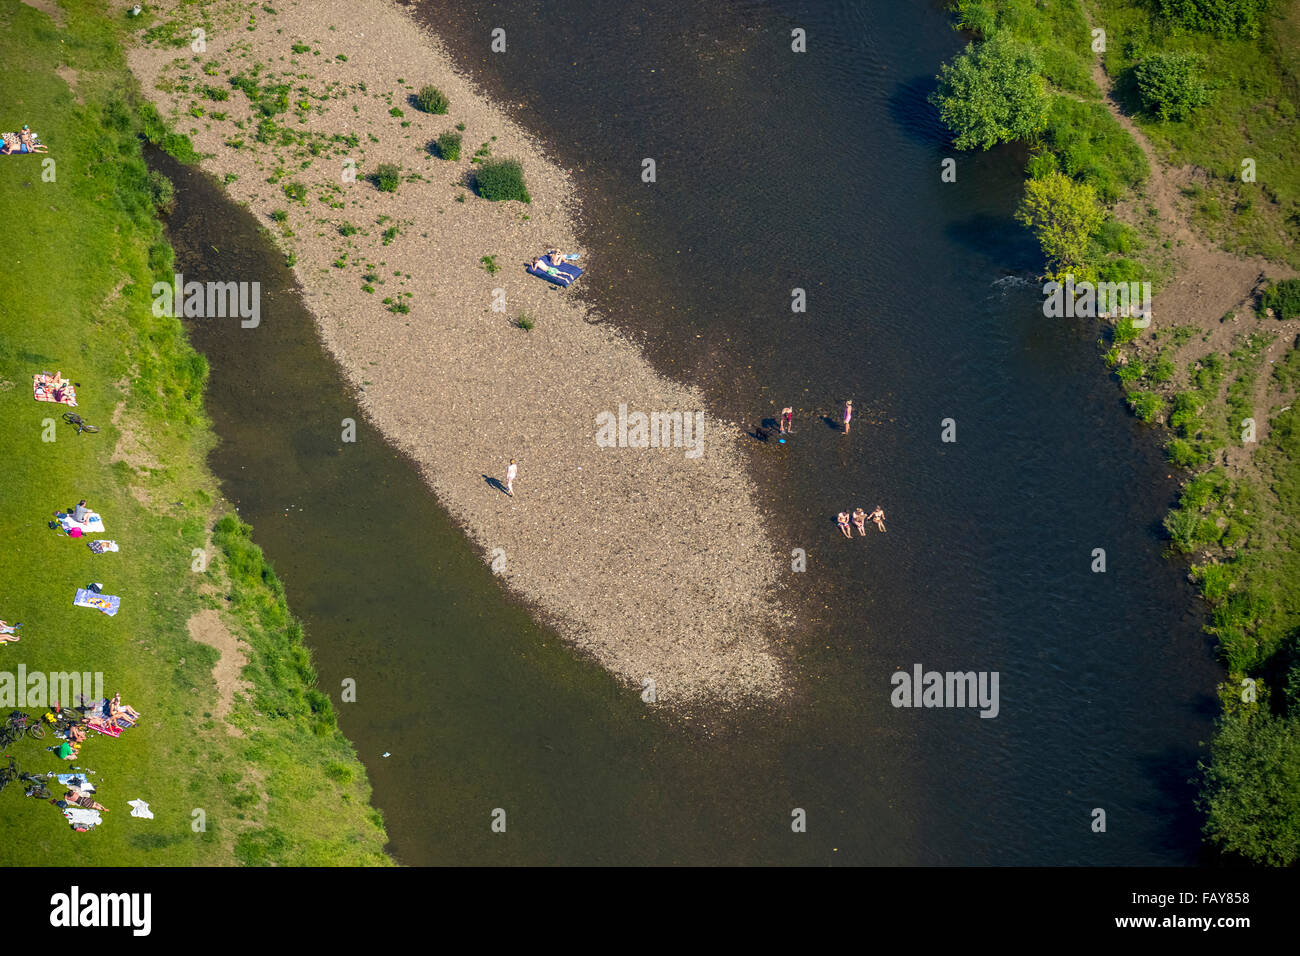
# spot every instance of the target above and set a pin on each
(386, 177)
(501, 180)
(432, 100)
(449, 146)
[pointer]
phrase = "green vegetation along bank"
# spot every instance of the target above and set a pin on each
(1175, 165)
(238, 754)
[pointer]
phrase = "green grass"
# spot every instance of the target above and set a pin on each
(1256, 100)
(276, 793)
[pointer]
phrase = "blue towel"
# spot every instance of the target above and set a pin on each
(568, 269)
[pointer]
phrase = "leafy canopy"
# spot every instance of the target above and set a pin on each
(992, 93)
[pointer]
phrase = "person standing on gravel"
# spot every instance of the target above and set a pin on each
(511, 472)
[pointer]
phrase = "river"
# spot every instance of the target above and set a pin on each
(775, 170)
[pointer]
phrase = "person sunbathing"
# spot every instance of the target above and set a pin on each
(9, 632)
(75, 796)
(843, 520)
(79, 513)
(77, 735)
(540, 265)
(30, 143)
(860, 521)
(118, 709)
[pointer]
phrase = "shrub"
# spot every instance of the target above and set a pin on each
(1223, 18)
(300, 48)
(347, 229)
(1064, 214)
(1283, 298)
(432, 100)
(280, 215)
(296, 192)
(501, 180)
(1181, 526)
(1172, 85)
(449, 146)
(992, 93)
(161, 191)
(218, 93)
(1146, 405)
(1184, 454)
(387, 177)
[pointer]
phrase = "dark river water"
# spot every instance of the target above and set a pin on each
(775, 171)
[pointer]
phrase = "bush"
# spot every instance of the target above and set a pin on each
(1248, 794)
(1172, 85)
(501, 180)
(1064, 214)
(161, 191)
(992, 93)
(1223, 18)
(1283, 298)
(1146, 405)
(432, 100)
(218, 93)
(449, 146)
(387, 177)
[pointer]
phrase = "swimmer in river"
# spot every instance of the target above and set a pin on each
(878, 516)
(843, 519)
(848, 415)
(787, 420)
(860, 521)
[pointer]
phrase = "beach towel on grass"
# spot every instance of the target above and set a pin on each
(102, 725)
(81, 818)
(92, 524)
(108, 603)
(75, 780)
(44, 384)
(568, 271)
(100, 547)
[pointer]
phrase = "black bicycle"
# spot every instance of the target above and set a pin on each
(72, 418)
(21, 723)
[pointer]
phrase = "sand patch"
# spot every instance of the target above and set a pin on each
(69, 76)
(208, 628)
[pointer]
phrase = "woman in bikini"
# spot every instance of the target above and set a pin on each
(860, 521)
(848, 415)
(878, 516)
(843, 520)
(787, 420)
(118, 709)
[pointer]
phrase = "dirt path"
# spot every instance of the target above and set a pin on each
(1207, 283)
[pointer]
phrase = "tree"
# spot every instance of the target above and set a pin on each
(1064, 214)
(1172, 85)
(992, 93)
(1251, 787)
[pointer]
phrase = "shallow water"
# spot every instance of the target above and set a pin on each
(775, 170)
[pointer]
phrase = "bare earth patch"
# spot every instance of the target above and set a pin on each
(206, 627)
(48, 7)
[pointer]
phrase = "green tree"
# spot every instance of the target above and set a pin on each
(992, 93)
(1064, 214)
(1172, 85)
(1251, 787)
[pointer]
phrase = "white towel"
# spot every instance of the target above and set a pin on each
(140, 809)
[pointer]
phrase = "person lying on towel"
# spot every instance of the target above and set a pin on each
(541, 265)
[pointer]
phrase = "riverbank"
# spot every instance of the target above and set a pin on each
(237, 753)
(1215, 369)
(653, 560)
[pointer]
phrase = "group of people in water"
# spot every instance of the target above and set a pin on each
(860, 519)
(23, 141)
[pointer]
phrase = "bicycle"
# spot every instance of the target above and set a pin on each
(72, 418)
(9, 774)
(24, 724)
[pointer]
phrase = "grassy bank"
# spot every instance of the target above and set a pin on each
(1209, 85)
(248, 768)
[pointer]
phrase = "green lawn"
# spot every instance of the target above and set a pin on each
(77, 260)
